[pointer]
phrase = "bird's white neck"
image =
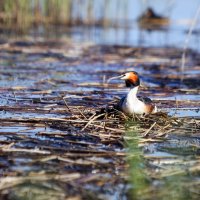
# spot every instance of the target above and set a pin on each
(132, 94)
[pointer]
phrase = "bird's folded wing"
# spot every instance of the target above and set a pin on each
(120, 103)
(146, 100)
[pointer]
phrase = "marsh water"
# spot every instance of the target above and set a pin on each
(34, 77)
(47, 151)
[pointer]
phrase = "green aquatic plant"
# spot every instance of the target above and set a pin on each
(138, 177)
(156, 181)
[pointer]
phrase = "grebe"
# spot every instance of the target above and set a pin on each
(131, 103)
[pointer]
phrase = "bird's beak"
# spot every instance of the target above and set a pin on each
(116, 77)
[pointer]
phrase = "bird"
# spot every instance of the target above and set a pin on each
(131, 103)
(150, 20)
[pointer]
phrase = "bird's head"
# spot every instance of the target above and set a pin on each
(131, 79)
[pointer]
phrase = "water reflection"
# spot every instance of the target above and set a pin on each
(138, 177)
(160, 175)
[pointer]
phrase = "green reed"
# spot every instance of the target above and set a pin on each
(22, 14)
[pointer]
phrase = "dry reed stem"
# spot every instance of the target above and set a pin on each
(91, 120)
(23, 150)
(7, 182)
(66, 104)
(147, 132)
(77, 162)
(188, 38)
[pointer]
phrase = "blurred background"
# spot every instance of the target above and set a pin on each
(102, 21)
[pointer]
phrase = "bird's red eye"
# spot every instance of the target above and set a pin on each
(123, 75)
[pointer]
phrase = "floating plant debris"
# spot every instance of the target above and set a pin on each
(57, 137)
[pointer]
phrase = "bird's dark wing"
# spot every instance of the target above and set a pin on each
(119, 104)
(146, 100)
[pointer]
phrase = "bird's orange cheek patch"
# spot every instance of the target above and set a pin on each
(133, 78)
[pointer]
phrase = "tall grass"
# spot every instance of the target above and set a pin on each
(24, 13)
(15, 13)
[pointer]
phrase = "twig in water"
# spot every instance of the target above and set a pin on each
(92, 121)
(146, 133)
(81, 113)
(75, 107)
(66, 104)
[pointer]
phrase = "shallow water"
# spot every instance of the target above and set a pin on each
(194, 112)
(35, 75)
(32, 90)
(163, 170)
